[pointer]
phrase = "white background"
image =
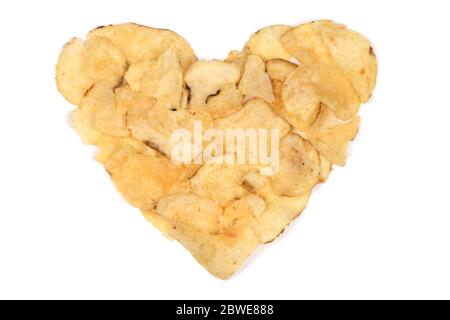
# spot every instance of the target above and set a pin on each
(380, 227)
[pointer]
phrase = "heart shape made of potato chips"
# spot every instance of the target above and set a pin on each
(134, 85)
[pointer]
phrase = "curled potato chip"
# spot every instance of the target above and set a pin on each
(140, 43)
(266, 43)
(142, 175)
(325, 169)
(279, 211)
(161, 79)
(331, 136)
(280, 70)
(313, 84)
(255, 82)
(238, 58)
(331, 43)
(206, 78)
(201, 213)
(299, 167)
(99, 115)
(222, 255)
(81, 64)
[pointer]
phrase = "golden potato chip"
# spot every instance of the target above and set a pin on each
(325, 169)
(255, 82)
(161, 79)
(279, 211)
(99, 115)
(299, 167)
(241, 213)
(206, 78)
(266, 43)
(311, 85)
(280, 70)
(237, 58)
(256, 114)
(221, 182)
(140, 43)
(227, 101)
(81, 64)
(331, 43)
(143, 176)
(155, 125)
(222, 255)
(201, 213)
(330, 136)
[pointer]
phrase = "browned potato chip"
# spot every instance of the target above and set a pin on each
(332, 43)
(255, 82)
(266, 43)
(81, 64)
(161, 79)
(140, 43)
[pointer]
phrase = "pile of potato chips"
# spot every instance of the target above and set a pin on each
(134, 85)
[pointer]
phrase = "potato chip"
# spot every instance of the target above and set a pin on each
(256, 114)
(143, 176)
(311, 85)
(155, 125)
(99, 115)
(206, 78)
(221, 182)
(331, 43)
(299, 167)
(255, 82)
(81, 64)
(330, 136)
(240, 214)
(140, 43)
(222, 255)
(201, 213)
(226, 102)
(266, 43)
(280, 70)
(161, 79)
(238, 58)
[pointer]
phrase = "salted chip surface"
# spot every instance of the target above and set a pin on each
(220, 156)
